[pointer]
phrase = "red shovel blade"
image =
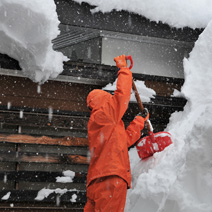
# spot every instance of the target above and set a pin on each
(155, 142)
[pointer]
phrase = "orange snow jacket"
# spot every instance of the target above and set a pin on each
(107, 136)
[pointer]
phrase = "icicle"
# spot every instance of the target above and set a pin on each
(8, 105)
(58, 200)
(5, 178)
(21, 114)
(129, 20)
(89, 52)
(50, 114)
(19, 129)
(39, 88)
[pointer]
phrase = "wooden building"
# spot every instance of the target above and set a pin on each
(43, 128)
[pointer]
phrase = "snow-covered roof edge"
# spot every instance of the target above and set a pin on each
(177, 13)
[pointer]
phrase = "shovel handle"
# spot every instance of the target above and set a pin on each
(140, 104)
(138, 99)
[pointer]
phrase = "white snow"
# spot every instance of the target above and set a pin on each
(64, 180)
(177, 93)
(176, 13)
(162, 135)
(67, 178)
(155, 146)
(44, 193)
(145, 93)
(179, 178)
(6, 196)
(26, 31)
(142, 143)
(73, 198)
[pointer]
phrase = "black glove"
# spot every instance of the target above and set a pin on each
(144, 113)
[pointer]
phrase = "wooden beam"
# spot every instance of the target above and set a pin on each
(42, 120)
(42, 158)
(27, 139)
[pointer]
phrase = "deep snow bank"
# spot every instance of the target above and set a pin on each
(180, 177)
(26, 31)
(176, 13)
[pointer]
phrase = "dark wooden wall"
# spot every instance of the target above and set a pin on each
(57, 95)
(66, 103)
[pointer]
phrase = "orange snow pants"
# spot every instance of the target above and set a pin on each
(107, 194)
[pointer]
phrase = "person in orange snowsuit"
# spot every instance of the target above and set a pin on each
(109, 173)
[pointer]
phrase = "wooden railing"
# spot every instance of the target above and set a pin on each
(32, 165)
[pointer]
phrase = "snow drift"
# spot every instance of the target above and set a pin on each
(26, 31)
(179, 178)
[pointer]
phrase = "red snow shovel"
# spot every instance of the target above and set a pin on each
(154, 142)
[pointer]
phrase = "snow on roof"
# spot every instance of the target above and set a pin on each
(176, 13)
(26, 31)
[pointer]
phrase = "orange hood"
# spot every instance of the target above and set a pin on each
(96, 98)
